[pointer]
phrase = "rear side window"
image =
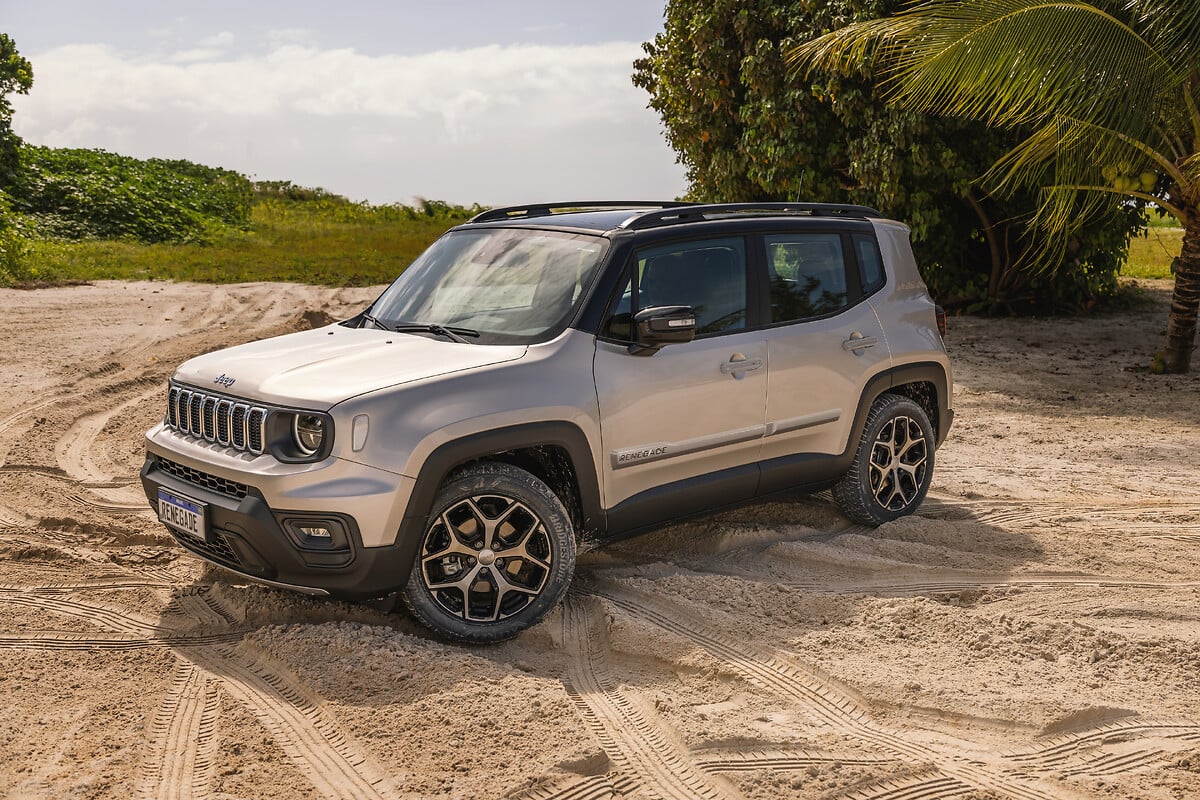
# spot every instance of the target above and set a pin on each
(808, 275)
(870, 266)
(708, 275)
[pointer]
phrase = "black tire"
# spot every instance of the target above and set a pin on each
(892, 466)
(455, 584)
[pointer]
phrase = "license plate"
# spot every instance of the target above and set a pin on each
(181, 513)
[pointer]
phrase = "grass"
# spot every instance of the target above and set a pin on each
(329, 243)
(1150, 256)
(332, 242)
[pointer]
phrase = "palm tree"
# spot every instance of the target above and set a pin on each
(1110, 90)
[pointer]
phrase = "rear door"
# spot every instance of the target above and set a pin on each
(681, 429)
(824, 343)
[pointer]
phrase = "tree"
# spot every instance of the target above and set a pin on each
(1108, 93)
(747, 130)
(16, 76)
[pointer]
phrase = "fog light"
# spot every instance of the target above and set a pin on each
(316, 532)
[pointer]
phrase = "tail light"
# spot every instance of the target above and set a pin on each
(940, 313)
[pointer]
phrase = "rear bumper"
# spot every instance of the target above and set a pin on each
(246, 535)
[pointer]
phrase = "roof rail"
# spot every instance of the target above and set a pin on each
(549, 209)
(694, 212)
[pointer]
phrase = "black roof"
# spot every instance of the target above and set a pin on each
(608, 215)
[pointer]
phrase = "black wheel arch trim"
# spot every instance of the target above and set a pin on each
(446, 457)
(918, 372)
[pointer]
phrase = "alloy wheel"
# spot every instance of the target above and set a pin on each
(486, 558)
(899, 456)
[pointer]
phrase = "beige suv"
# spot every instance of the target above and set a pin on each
(545, 373)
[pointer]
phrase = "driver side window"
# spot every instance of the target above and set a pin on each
(708, 275)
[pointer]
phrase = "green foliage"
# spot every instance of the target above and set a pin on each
(14, 268)
(16, 76)
(1103, 94)
(746, 128)
(330, 206)
(324, 239)
(81, 194)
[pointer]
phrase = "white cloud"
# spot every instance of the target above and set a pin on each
(196, 54)
(282, 36)
(222, 40)
(490, 124)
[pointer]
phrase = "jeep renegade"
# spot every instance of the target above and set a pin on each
(547, 372)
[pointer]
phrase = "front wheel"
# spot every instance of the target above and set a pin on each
(496, 556)
(892, 466)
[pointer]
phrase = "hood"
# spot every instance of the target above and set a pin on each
(320, 368)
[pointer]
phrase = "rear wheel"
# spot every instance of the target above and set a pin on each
(893, 465)
(497, 555)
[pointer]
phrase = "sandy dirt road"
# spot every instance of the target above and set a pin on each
(1032, 633)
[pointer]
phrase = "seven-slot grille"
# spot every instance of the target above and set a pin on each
(223, 420)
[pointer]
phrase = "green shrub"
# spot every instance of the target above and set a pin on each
(93, 194)
(15, 266)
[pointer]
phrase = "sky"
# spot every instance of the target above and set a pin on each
(468, 101)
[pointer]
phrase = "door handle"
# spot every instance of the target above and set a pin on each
(738, 363)
(858, 342)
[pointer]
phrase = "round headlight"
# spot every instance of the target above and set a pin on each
(308, 431)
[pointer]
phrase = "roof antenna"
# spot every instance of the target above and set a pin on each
(800, 185)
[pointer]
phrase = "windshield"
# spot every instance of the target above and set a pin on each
(513, 286)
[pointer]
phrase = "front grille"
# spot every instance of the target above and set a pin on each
(218, 548)
(216, 418)
(204, 480)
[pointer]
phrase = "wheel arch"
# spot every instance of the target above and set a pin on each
(541, 448)
(926, 383)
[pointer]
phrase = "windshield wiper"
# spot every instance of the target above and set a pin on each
(454, 334)
(451, 332)
(377, 323)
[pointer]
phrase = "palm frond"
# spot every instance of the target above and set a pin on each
(1011, 62)
(1079, 168)
(1172, 27)
(1190, 167)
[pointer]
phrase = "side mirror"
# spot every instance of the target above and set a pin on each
(662, 325)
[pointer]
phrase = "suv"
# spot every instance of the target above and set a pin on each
(552, 372)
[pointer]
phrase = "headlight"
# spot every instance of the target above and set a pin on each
(308, 433)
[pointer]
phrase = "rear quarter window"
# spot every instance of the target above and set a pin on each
(808, 275)
(870, 263)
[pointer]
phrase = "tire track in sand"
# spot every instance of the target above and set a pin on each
(1110, 749)
(930, 788)
(596, 787)
(1160, 520)
(635, 744)
(120, 630)
(74, 449)
(312, 740)
(182, 754)
(783, 760)
(826, 703)
(923, 586)
(45, 641)
(108, 619)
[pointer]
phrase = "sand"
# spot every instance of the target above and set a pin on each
(1033, 632)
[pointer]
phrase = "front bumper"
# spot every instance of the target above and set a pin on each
(246, 535)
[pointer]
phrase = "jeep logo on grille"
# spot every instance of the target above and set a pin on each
(224, 380)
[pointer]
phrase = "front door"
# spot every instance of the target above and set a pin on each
(682, 428)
